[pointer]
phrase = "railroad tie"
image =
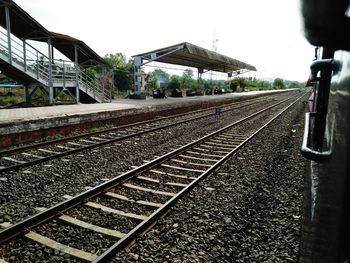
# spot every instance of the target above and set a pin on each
(222, 145)
(12, 159)
(182, 168)
(139, 188)
(77, 253)
(172, 175)
(98, 139)
(75, 144)
(206, 154)
(115, 211)
(148, 179)
(199, 159)
(83, 224)
(84, 140)
(176, 184)
(63, 147)
(158, 182)
(48, 151)
(32, 155)
(189, 163)
(110, 210)
(124, 198)
(61, 247)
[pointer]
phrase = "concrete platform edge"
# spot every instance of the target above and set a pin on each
(19, 132)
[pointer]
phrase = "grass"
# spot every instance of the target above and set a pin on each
(7, 100)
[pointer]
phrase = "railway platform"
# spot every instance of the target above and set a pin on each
(23, 125)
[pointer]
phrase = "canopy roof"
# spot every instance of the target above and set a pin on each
(65, 44)
(190, 55)
(24, 27)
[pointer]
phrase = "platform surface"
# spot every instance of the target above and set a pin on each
(35, 113)
(23, 114)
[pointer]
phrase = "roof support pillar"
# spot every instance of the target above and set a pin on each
(199, 77)
(51, 97)
(76, 64)
(137, 75)
(8, 28)
(52, 55)
(25, 55)
(198, 80)
(26, 93)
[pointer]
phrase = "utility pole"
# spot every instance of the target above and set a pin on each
(215, 48)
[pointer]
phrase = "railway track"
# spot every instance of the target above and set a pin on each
(29, 155)
(137, 198)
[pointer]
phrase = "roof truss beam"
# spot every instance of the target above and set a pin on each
(153, 56)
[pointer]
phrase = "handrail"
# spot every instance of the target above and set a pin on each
(35, 62)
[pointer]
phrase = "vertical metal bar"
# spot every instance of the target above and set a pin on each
(26, 93)
(198, 79)
(103, 91)
(77, 89)
(52, 55)
(50, 72)
(8, 27)
(111, 87)
(37, 65)
(322, 101)
(64, 76)
(25, 55)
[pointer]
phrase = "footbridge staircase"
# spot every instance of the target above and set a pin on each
(27, 65)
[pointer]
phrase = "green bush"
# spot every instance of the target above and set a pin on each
(174, 83)
(9, 100)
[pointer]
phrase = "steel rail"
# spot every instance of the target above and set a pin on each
(75, 137)
(156, 215)
(98, 144)
(59, 208)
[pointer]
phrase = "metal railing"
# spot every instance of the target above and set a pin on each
(34, 63)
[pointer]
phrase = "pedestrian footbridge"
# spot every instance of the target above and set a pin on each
(37, 69)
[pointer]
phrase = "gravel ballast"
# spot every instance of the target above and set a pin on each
(231, 227)
(44, 185)
(248, 211)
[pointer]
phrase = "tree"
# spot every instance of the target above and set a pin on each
(174, 83)
(295, 85)
(207, 85)
(123, 70)
(242, 82)
(278, 83)
(263, 84)
(188, 73)
(118, 60)
(122, 79)
(233, 85)
(90, 72)
(161, 75)
(187, 82)
(153, 84)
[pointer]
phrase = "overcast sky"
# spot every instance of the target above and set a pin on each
(265, 33)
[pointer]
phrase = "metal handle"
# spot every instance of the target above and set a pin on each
(306, 151)
(314, 131)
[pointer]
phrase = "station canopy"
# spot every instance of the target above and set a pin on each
(187, 54)
(65, 44)
(24, 26)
